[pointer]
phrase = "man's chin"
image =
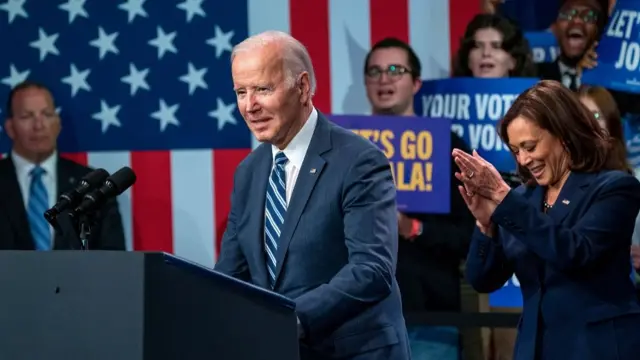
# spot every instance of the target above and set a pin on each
(573, 56)
(384, 110)
(263, 136)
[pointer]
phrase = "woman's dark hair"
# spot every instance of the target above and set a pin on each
(556, 109)
(513, 42)
(612, 119)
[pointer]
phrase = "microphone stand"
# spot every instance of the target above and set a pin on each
(77, 228)
(86, 222)
(85, 231)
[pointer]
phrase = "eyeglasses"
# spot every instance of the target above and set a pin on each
(586, 15)
(393, 71)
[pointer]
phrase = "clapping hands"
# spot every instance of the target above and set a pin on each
(483, 188)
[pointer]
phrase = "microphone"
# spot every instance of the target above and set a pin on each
(113, 186)
(72, 198)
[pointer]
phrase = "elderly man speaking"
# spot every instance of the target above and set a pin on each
(313, 211)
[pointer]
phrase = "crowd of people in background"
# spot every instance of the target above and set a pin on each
(494, 45)
(432, 248)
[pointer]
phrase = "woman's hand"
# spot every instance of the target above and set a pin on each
(487, 230)
(480, 207)
(480, 177)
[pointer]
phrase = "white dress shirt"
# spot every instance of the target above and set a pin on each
(23, 174)
(296, 151)
(566, 73)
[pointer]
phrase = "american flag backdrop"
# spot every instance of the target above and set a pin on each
(147, 84)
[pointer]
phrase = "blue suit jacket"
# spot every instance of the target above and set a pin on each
(338, 248)
(573, 267)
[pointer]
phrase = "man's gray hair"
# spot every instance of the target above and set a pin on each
(295, 56)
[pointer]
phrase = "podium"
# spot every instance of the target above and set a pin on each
(108, 305)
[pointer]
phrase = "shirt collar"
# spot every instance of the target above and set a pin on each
(24, 166)
(564, 69)
(297, 148)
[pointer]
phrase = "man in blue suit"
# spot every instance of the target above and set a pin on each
(313, 211)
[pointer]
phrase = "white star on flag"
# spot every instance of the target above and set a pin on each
(14, 8)
(166, 115)
(74, 8)
(224, 113)
(105, 42)
(133, 9)
(15, 77)
(108, 116)
(136, 79)
(45, 44)
(77, 80)
(195, 78)
(164, 42)
(192, 7)
(221, 41)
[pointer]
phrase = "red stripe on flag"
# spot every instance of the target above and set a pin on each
(389, 18)
(81, 158)
(151, 201)
(309, 21)
(460, 14)
(225, 163)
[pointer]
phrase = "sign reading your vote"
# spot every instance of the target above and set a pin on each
(474, 107)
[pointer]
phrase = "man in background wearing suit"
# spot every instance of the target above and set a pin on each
(431, 246)
(578, 25)
(33, 176)
(330, 244)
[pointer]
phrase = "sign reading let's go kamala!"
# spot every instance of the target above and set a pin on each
(419, 151)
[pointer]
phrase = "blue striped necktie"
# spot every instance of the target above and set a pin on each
(37, 205)
(275, 210)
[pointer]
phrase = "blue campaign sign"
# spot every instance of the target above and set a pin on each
(619, 51)
(509, 295)
(475, 106)
(419, 151)
(544, 46)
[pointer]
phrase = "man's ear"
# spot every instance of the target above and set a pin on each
(8, 128)
(417, 84)
(304, 88)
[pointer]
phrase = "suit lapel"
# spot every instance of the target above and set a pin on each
(570, 194)
(308, 175)
(258, 191)
(14, 205)
(536, 196)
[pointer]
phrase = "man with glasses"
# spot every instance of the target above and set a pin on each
(431, 246)
(578, 25)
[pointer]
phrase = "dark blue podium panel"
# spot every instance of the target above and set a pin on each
(103, 305)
